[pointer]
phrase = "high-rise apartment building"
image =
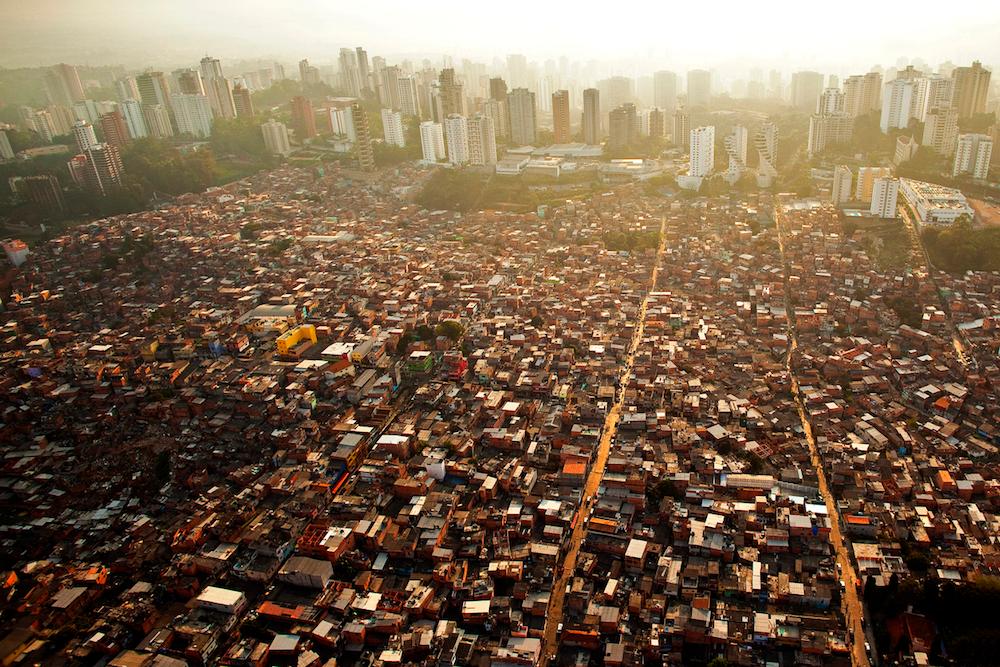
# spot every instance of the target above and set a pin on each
(303, 118)
(866, 182)
(806, 88)
(842, 182)
(941, 130)
(906, 148)
(99, 168)
(482, 140)
(44, 191)
(114, 129)
(702, 159)
(681, 126)
(885, 192)
(862, 94)
(41, 122)
(350, 75)
(521, 110)
(560, 116)
(653, 123)
(736, 152)
(409, 102)
(84, 136)
(699, 88)
(153, 88)
(62, 83)
(242, 102)
(665, 90)
(900, 102)
(135, 122)
(432, 141)
(497, 110)
(157, 121)
(828, 129)
(364, 72)
(6, 151)
(973, 155)
(276, 138)
(971, 89)
(392, 128)
(451, 98)
(363, 143)
(830, 101)
(456, 139)
(192, 114)
(188, 81)
(126, 88)
(591, 122)
(623, 126)
(765, 141)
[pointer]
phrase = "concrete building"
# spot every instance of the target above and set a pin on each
(135, 122)
(456, 138)
(84, 136)
(699, 88)
(303, 118)
(409, 104)
(276, 138)
(681, 126)
(157, 120)
(900, 103)
(363, 138)
(432, 141)
(392, 128)
(736, 152)
(830, 101)
(114, 129)
(6, 152)
(153, 89)
(665, 90)
(243, 102)
(482, 140)
(972, 155)
(862, 94)
(842, 180)
(63, 86)
(193, 114)
(521, 107)
(806, 89)
(702, 147)
(972, 85)
(828, 129)
(497, 110)
(865, 183)
(941, 130)
(884, 195)
(765, 141)
(591, 116)
(560, 117)
(906, 148)
(935, 204)
(623, 126)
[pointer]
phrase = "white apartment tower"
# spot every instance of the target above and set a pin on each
(432, 141)
(193, 114)
(765, 141)
(456, 139)
(702, 159)
(900, 102)
(135, 122)
(972, 156)
(83, 133)
(392, 127)
(736, 151)
(842, 181)
(884, 195)
(276, 138)
(482, 140)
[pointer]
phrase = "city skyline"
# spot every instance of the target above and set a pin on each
(47, 32)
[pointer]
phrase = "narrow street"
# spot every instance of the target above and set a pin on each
(563, 573)
(852, 604)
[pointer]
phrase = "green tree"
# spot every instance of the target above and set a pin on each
(450, 328)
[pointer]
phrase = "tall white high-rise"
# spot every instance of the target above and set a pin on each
(900, 103)
(6, 151)
(665, 90)
(392, 127)
(193, 114)
(83, 133)
(157, 120)
(941, 130)
(842, 181)
(702, 159)
(831, 101)
(276, 138)
(865, 184)
(884, 195)
(972, 156)
(432, 141)
(521, 110)
(736, 151)
(456, 139)
(765, 140)
(408, 100)
(135, 122)
(482, 140)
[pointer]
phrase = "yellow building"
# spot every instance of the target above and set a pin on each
(293, 338)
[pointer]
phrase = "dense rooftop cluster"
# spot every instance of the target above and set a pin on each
(300, 420)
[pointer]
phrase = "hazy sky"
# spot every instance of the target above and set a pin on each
(834, 36)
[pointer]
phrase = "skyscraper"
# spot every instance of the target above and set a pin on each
(899, 103)
(243, 102)
(765, 141)
(884, 195)
(217, 88)
(409, 103)
(99, 168)
(388, 90)
(189, 82)
(665, 90)
(498, 89)
(681, 126)
(521, 108)
(699, 88)
(192, 114)
(973, 155)
(303, 118)
(941, 130)
(131, 111)
(736, 152)
(307, 73)
(560, 116)
(972, 86)
(62, 83)
(865, 183)
(623, 126)
(842, 180)
(456, 139)
(363, 143)
(702, 159)
(6, 151)
(350, 76)
(276, 138)
(364, 73)
(83, 134)
(157, 120)
(826, 129)
(126, 88)
(153, 88)
(114, 129)
(482, 140)
(432, 141)
(806, 88)
(591, 121)
(451, 98)
(392, 128)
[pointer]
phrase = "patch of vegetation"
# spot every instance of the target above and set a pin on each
(960, 248)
